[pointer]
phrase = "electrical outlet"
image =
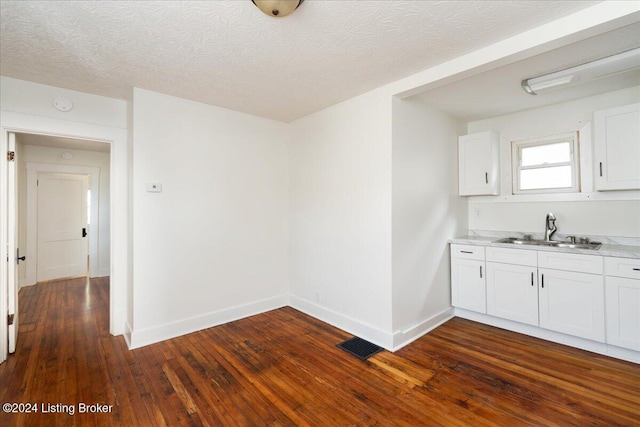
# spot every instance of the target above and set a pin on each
(476, 212)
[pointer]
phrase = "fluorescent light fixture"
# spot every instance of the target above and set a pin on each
(604, 67)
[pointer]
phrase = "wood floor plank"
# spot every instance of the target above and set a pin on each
(282, 368)
(402, 369)
(562, 381)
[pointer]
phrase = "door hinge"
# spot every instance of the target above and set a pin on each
(10, 319)
(11, 156)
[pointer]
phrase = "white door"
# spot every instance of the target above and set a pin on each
(62, 226)
(572, 303)
(512, 292)
(468, 284)
(12, 243)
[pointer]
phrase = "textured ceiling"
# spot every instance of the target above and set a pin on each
(228, 53)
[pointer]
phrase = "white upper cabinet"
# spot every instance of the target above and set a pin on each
(478, 164)
(617, 148)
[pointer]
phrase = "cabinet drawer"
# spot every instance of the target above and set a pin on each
(512, 256)
(467, 252)
(622, 267)
(570, 262)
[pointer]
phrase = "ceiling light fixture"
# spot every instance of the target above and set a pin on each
(277, 8)
(604, 67)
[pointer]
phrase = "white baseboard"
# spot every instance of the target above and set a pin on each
(127, 334)
(118, 325)
(557, 337)
(102, 272)
(348, 324)
(24, 282)
(142, 337)
(389, 341)
(402, 338)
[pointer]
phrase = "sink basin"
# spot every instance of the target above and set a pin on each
(553, 244)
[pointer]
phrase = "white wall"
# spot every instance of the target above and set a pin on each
(80, 158)
(35, 99)
(212, 246)
(597, 217)
(28, 107)
(427, 212)
(612, 218)
(340, 179)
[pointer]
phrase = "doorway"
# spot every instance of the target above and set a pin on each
(59, 233)
(118, 265)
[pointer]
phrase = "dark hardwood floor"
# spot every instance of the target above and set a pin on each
(283, 368)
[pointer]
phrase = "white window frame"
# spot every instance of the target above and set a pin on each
(516, 167)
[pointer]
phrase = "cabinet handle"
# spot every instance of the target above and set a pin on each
(481, 272)
(486, 176)
(600, 168)
(466, 252)
(532, 278)
(542, 280)
(636, 269)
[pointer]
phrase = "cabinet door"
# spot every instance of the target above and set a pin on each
(512, 292)
(617, 148)
(468, 289)
(478, 164)
(623, 312)
(572, 303)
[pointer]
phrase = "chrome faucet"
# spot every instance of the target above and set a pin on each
(549, 227)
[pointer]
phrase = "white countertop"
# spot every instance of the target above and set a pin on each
(620, 251)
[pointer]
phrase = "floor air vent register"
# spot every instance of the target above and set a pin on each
(360, 348)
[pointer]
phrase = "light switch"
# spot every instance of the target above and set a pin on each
(154, 187)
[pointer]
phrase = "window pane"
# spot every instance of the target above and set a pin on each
(554, 177)
(546, 154)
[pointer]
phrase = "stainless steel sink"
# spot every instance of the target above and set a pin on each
(554, 244)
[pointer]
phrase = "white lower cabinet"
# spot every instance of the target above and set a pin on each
(572, 303)
(622, 295)
(468, 289)
(582, 295)
(512, 292)
(623, 312)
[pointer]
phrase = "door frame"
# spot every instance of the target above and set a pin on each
(33, 169)
(121, 266)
